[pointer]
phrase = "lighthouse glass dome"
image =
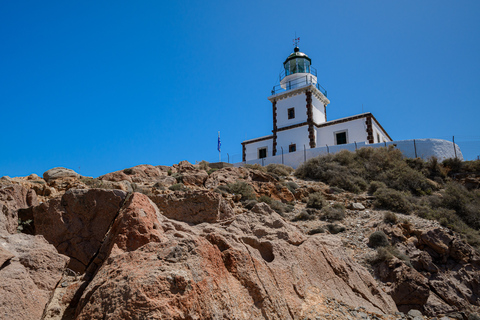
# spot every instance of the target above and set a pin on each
(297, 62)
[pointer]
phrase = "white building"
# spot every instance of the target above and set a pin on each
(299, 106)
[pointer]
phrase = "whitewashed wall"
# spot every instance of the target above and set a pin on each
(357, 131)
(318, 110)
(299, 103)
(379, 131)
(299, 136)
(252, 148)
(426, 148)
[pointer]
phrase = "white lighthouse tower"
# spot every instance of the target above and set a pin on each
(300, 117)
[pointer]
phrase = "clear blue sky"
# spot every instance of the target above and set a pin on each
(99, 86)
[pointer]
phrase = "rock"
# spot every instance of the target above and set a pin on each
(12, 198)
(194, 206)
(275, 191)
(59, 172)
(139, 174)
(77, 222)
(256, 265)
(165, 181)
(28, 278)
(195, 178)
(409, 287)
(225, 176)
(415, 313)
(356, 206)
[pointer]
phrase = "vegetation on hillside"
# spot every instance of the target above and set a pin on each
(426, 188)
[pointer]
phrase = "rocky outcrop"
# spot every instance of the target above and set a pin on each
(444, 274)
(225, 176)
(12, 198)
(193, 206)
(77, 222)
(138, 174)
(30, 269)
(59, 172)
(256, 265)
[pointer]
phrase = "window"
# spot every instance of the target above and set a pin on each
(291, 113)
(292, 147)
(262, 153)
(341, 137)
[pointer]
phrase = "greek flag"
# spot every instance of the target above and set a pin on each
(219, 143)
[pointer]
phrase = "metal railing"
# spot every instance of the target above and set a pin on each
(297, 83)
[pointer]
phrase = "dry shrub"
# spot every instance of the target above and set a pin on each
(393, 200)
(378, 239)
(242, 188)
(279, 169)
(353, 171)
(335, 212)
(316, 200)
(390, 217)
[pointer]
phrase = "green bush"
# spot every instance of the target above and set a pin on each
(353, 171)
(276, 205)
(177, 187)
(465, 203)
(335, 212)
(386, 253)
(306, 214)
(203, 165)
(292, 186)
(375, 185)
(316, 200)
(390, 217)
(393, 200)
(378, 239)
(243, 188)
(255, 166)
(279, 169)
(178, 176)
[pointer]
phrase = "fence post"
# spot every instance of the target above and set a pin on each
(228, 157)
(415, 147)
(328, 151)
(454, 149)
(304, 154)
(282, 154)
(385, 143)
(355, 145)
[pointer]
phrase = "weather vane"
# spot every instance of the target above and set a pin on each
(295, 41)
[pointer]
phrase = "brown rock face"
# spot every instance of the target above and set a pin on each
(254, 266)
(30, 269)
(12, 198)
(194, 206)
(445, 276)
(77, 222)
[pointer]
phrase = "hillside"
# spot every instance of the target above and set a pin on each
(365, 235)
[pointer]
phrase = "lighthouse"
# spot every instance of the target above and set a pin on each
(299, 113)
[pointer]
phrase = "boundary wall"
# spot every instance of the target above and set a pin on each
(421, 148)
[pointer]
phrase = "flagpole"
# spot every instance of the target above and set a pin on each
(219, 148)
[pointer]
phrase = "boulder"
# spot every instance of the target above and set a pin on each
(77, 222)
(29, 273)
(193, 206)
(59, 172)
